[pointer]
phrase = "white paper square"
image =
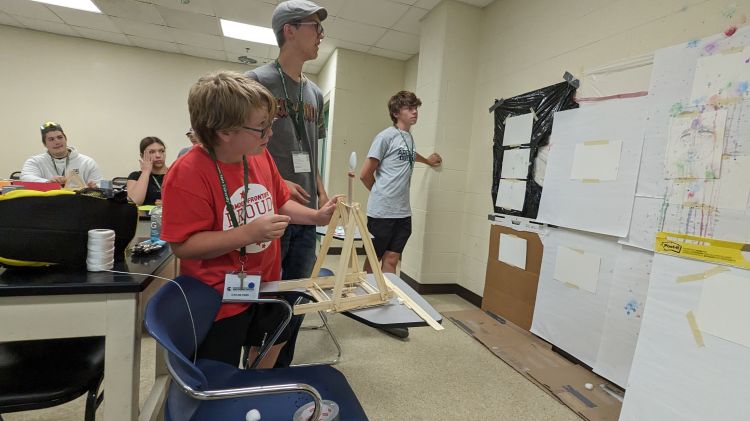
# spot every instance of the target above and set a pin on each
(518, 130)
(734, 192)
(511, 194)
(721, 76)
(723, 310)
(512, 251)
(596, 161)
(578, 268)
(515, 164)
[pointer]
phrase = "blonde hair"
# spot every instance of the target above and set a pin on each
(222, 100)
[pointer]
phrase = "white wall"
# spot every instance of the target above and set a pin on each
(107, 97)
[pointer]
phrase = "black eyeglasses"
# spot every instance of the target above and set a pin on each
(318, 26)
(262, 131)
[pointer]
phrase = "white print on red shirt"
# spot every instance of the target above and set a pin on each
(259, 203)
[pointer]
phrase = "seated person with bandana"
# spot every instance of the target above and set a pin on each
(144, 186)
(59, 161)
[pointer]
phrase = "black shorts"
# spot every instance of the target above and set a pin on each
(390, 234)
(226, 337)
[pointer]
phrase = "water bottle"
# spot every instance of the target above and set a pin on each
(156, 222)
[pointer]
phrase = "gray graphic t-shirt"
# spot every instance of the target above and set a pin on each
(389, 197)
(284, 142)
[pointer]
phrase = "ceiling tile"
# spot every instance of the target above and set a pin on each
(28, 9)
(399, 41)
(360, 33)
(193, 22)
(273, 51)
(6, 19)
(379, 13)
(84, 19)
(339, 43)
(144, 30)
(154, 44)
(251, 12)
(196, 6)
(427, 4)
(115, 38)
(477, 3)
(47, 26)
(312, 69)
(260, 60)
(131, 9)
(203, 52)
(321, 59)
(409, 2)
(197, 39)
(246, 47)
(333, 7)
(390, 54)
(409, 22)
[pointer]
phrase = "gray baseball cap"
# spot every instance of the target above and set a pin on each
(295, 10)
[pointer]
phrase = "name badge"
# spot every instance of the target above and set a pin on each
(301, 162)
(239, 287)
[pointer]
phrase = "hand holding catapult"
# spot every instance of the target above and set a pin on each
(350, 290)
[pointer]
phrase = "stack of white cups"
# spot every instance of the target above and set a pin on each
(101, 250)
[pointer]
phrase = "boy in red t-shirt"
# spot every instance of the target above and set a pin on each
(211, 214)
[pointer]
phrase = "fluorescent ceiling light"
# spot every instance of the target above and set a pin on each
(86, 5)
(247, 32)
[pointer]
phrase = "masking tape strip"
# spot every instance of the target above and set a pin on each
(596, 142)
(590, 180)
(579, 251)
(569, 285)
(732, 50)
(533, 113)
(702, 275)
(697, 335)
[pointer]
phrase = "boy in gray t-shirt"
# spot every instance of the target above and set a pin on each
(387, 174)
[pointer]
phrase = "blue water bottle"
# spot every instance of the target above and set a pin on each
(156, 222)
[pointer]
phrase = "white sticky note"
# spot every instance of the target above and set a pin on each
(518, 130)
(723, 309)
(515, 164)
(511, 194)
(596, 160)
(578, 268)
(512, 251)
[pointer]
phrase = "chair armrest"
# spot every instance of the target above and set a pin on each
(266, 346)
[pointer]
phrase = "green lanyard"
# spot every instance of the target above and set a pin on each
(67, 160)
(410, 150)
(230, 207)
(297, 113)
(158, 184)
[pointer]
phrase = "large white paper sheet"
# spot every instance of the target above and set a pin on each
(596, 160)
(696, 143)
(511, 194)
(720, 77)
(518, 130)
(573, 318)
(577, 267)
(672, 378)
(735, 183)
(645, 223)
(512, 251)
(602, 207)
(627, 300)
(515, 163)
(723, 310)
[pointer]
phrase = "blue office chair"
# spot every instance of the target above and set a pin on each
(179, 316)
(44, 373)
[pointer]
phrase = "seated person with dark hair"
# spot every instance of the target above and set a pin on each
(60, 161)
(144, 186)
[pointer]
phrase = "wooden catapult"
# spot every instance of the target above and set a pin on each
(349, 288)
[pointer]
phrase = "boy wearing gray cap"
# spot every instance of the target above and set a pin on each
(299, 125)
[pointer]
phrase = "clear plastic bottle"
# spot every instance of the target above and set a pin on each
(156, 222)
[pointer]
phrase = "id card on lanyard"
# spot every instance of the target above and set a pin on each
(239, 285)
(300, 158)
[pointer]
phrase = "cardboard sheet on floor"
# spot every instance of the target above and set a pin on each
(518, 130)
(512, 250)
(516, 163)
(604, 202)
(510, 291)
(534, 359)
(511, 194)
(570, 317)
(678, 372)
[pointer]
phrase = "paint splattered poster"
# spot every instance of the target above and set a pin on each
(696, 144)
(721, 78)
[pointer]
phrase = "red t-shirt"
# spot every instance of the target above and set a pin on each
(193, 202)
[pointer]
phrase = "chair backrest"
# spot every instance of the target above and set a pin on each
(15, 175)
(168, 321)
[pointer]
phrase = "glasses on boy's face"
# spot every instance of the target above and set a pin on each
(318, 26)
(263, 132)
